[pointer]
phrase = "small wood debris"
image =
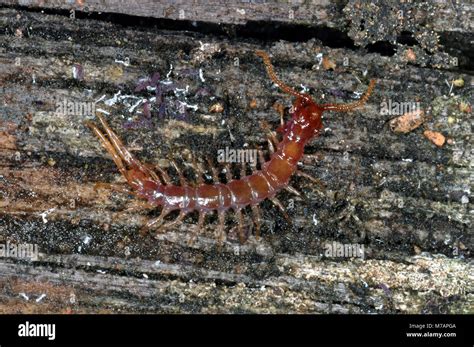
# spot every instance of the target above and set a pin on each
(437, 138)
(465, 107)
(410, 55)
(458, 83)
(328, 64)
(407, 122)
(216, 108)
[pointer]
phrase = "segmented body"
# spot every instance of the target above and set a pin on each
(235, 194)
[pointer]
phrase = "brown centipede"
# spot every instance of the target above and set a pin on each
(236, 194)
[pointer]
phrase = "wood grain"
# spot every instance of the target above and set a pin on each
(407, 201)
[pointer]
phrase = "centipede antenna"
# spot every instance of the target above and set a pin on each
(274, 78)
(353, 105)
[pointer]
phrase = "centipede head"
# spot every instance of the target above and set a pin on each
(307, 112)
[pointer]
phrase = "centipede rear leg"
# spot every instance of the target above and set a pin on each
(112, 187)
(109, 147)
(127, 164)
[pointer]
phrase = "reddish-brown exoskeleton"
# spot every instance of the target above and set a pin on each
(235, 194)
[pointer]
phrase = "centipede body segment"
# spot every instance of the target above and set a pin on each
(236, 194)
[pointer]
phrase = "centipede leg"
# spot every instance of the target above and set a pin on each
(278, 204)
(257, 220)
(253, 164)
(198, 227)
(198, 171)
(178, 220)
(261, 158)
(292, 190)
(272, 142)
(228, 172)
(139, 206)
(309, 177)
(243, 170)
(215, 173)
(281, 112)
(220, 234)
(271, 146)
(164, 175)
(182, 180)
(240, 225)
(158, 220)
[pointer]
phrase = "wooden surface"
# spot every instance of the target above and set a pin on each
(406, 200)
(438, 15)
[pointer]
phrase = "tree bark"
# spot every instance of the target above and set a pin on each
(405, 200)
